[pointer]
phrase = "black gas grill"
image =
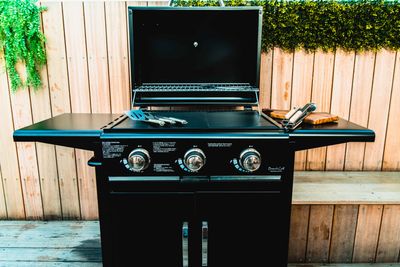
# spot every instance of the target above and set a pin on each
(215, 191)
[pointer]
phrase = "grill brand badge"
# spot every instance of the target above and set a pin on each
(276, 169)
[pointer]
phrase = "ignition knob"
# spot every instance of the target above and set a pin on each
(138, 160)
(194, 159)
(250, 160)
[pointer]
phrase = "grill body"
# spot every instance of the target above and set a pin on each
(144, 215)
(238, 218)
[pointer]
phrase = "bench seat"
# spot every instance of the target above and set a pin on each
(346, 187)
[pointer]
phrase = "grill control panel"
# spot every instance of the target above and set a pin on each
(184, 157)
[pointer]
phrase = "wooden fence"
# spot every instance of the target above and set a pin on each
(88, 71)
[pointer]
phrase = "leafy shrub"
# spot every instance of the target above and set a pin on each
(324, 24)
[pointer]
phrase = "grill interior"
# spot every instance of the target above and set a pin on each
(231, 94)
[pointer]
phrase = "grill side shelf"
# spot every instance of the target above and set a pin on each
(343, 131)
(79, 130)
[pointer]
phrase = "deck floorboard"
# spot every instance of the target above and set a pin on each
(70, 244)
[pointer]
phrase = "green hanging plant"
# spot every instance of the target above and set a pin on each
(21, 40)
(352, 25)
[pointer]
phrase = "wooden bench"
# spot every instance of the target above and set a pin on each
(345, 217)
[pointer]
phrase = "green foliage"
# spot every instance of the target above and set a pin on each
(324, 24)
(21, 40)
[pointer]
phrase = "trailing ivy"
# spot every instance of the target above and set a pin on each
(21, 40)
(324, 24)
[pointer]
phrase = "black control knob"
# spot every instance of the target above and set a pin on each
(250, 160)
(138, 160)
(194, 159)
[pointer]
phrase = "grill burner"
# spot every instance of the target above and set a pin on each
(215, 191)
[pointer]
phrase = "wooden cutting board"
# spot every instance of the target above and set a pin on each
(313, 118)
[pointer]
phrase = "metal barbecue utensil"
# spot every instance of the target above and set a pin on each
(171, 120)
(164, 119)
(137, 115)
(181, 121)
(297, 116)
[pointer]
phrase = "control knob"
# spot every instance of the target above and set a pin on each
(138, 160)
(250, 160)
(194, 159)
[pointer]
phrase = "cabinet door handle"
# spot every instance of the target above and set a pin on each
(204, 243)
(185, 244)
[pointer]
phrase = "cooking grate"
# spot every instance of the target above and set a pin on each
(231, 87)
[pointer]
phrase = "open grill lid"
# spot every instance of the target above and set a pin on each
(195, 56)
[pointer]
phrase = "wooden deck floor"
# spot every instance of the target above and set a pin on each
(67, 243)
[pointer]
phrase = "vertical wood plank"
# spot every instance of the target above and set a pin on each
(28, 167)
(30, 179)
(97, 56)
(367, 233)
(360, 99)
(117, 45)
(49, 181)
(66, 166)
(340, 105)
(321, 95)
(281, 79)
(157, 3)
(301, 92)
(343, 232)
(41, 110)
(76, 50)
(60, 103)
(136, 3)
(389, 238)
(87, 186)
(378, 114)
(99, 84)
(80, 100)
(266, 79)
(56, 58)
(47, 163)
(391, 158)
(99, 91)
(8, 156)
(319, 233)
(3, 208)
(298, 233)
(26, 151)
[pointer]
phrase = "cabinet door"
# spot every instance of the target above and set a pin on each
(244, 229)
(147, 228)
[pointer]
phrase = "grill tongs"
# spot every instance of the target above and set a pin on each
(139, 115)
(296, 116)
